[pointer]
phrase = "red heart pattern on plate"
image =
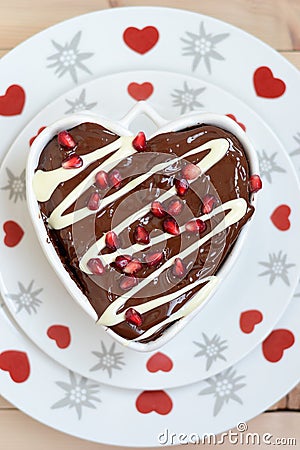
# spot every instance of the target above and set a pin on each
(156, 401)
(276, 343)
(31, 140)
(280, 217)
(141, 41)
(266, 85)
(13, 101)
(140, 91)
(249, 319)
(60, 334)
(17, 364)
(159, 361)
(231, 116)
(13, 233)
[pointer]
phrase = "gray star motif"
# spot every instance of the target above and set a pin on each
(79, 104)
(202, 46)
(15, 186)
(27, 298)
(297, 150)
(276, 268)
(68, 58)
(187, 98)
(79, 393)
(268, 165)
(212, 349)
(223, 387)
(108, 359)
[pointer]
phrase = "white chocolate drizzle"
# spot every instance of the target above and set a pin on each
(236, 210)
(45, 183)
(218, 148)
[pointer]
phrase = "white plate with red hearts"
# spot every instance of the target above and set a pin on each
(230, 326)
(76, 52)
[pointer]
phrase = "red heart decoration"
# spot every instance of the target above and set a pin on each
(157, 401)
(266, 85)
(141, 41)
(231, 116)
(13, 233)
(17, 364)
(280, 217)
(248, 320)
(159, 361)
(12, 102)
(140, 91)
(276, 343)
(31, 140)
(60, 334)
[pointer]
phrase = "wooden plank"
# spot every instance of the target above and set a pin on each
(277, 22)
(293, 57)
(20, 21)
(4, 404)
(282, 404)
(293, 399)
(18, 431)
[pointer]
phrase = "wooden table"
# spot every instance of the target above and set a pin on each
(277, 22)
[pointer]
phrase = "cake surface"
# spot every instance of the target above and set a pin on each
(143, 227)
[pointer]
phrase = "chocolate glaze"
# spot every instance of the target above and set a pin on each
(228, 179)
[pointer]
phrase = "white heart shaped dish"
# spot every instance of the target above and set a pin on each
(152, 310)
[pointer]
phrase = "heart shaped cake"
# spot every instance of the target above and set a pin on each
(144, 227)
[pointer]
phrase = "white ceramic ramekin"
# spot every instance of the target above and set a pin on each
(122, 128)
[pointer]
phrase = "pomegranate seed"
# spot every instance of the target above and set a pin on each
(94, 201)
(101, 179)
(139, 142)
(122, 261)
(190, 172)
(157, 209)
(195, 226)
(170, 226)
(72, 161)
(133, 317)
(175, 208)
(141, 235)
(208, 203)
(133, 267)
(179, 269)
(115, 178)
(127, 283)
(152, 259)
(66, 140)
(255, 183)
(112, 240)
(181, 186)
(95, 266)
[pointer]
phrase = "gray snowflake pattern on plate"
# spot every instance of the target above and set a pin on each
(297, 150)
(68, 58)
(79, 393)
(212, 349)
(108, 359)
(223, 387)
(202, 46)
(27, 298)
(187, 98)
(268, 165)
(277, 267)
(15, 185)
(79, 104)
